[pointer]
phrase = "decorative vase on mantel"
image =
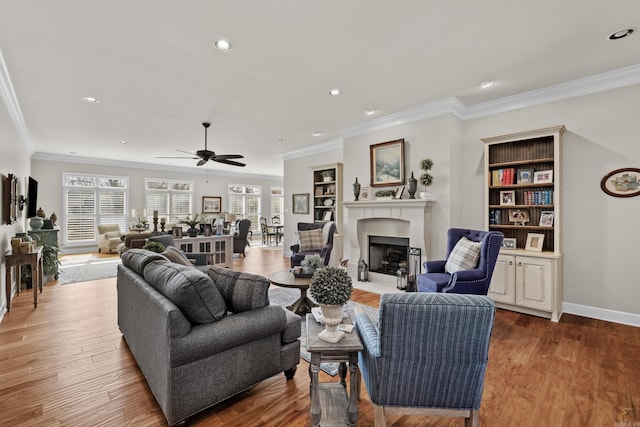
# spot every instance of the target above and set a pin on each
(356, 190)
(412, 186)
(331, 317)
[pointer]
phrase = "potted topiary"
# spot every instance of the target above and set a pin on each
(331, 288)
(426, 178)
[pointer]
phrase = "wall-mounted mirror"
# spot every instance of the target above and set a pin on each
(9, 199)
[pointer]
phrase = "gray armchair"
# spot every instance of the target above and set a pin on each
(427, 355)
(240, 239)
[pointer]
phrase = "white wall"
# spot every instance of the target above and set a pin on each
(15, 160)
(49, 176)
(600, 232)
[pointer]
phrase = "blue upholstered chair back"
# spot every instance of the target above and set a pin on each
(428, 350)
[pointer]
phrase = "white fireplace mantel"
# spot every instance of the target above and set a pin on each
(409, 218)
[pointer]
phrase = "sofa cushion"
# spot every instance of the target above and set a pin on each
(241, 291)
(188, 288)
(137, 259)
(176, 255)
(293, 330)
(463, 256)
(310, 240)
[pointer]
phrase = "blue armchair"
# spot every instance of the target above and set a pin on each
(298, 252)
(428, 354)
(474, 280)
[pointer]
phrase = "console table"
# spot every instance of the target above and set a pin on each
(219, 249)
(333, 395)
(34, 259)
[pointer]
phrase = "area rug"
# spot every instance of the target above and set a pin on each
(285, 296)
(87, 269)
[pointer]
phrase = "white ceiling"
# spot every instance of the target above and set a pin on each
(152, 65)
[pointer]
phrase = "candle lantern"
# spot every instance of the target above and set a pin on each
(401, 278)
(413, 262)
(363, 271)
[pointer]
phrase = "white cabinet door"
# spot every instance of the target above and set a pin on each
(502, 287)
(534, 282)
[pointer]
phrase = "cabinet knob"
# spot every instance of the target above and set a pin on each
(519, 263)
(510, 262)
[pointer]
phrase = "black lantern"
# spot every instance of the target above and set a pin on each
(363, 271)
(401, 278)
(413, 262)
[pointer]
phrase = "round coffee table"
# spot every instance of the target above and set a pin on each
(286, 279)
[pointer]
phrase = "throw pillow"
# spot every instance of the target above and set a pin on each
(138, 259)
(191, 290)
(176, 255)
(241, 291)
(464, 256)
(311, 240)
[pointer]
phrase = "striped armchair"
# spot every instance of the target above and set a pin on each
(427, 355)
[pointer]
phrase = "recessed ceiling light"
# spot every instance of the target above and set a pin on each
(223, 45)
(279, 139)
(334, 92)
(73, 152)
(486, 84)
(123, 142)
(317, 133)
(91, 99)
(370, 112)
(621, 34)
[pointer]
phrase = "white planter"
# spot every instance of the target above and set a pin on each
(425, 195)
(332, 317)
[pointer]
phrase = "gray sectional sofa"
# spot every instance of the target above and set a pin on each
(201, 337)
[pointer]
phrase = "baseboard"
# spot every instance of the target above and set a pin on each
(602, 314)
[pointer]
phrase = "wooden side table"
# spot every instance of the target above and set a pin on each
(286, 279)
(34, 259)
(333, 395)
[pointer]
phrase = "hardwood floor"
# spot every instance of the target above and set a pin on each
(66, 364)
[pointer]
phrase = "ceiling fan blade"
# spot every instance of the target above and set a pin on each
(188, 152)
(162, 157)
(228, 162)
(229, 156)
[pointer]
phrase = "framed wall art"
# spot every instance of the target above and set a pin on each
(623, 182)
(211, 204)
(387, 163)
(300, 203)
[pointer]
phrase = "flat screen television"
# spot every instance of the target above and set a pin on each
(32, 198)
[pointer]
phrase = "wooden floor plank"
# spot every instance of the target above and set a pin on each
(65, 363)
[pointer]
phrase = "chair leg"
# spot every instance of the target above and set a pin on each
(378, 416)
(473, 420)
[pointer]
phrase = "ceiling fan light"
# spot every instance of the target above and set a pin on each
(622, 34)
(486, 84)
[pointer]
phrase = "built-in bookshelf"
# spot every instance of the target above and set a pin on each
(522, 200)
(327, 194)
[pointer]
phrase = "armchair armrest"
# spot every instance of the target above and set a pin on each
(368, 334)
(467, 282)
(469, 275)
(434, 266)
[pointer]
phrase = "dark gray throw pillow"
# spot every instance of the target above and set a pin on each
(137, 259)
(241, 291)
(188, 288)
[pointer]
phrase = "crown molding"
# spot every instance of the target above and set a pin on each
(13, 106)
(148, 166)
(335, 144)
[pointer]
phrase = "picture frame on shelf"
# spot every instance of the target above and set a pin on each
(300, 203)
(387, 163)
(518, 216)
(365, 193)
(399, 192)
(176, 232)
(508, 198)
(623, 182)
(207, 230)
(546, 218)
(319, 191)
(543, 177)
(327, 216)
(509, 243)
(211, 204)
(525, 176)
(534, 242)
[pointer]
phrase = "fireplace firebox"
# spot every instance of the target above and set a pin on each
(387, 254)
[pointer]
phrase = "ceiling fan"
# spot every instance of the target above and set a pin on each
(205, 155)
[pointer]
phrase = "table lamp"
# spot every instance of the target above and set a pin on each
(140, 214)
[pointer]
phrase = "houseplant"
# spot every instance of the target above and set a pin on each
(50, 252)
(331, 288)
(192, 222)
(426, 178)
(154, 247)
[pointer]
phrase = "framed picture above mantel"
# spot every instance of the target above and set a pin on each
(387, 163)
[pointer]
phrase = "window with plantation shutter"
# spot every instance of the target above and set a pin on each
(171, 198)
(277, 203)
(91, 200)
(244, 201)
